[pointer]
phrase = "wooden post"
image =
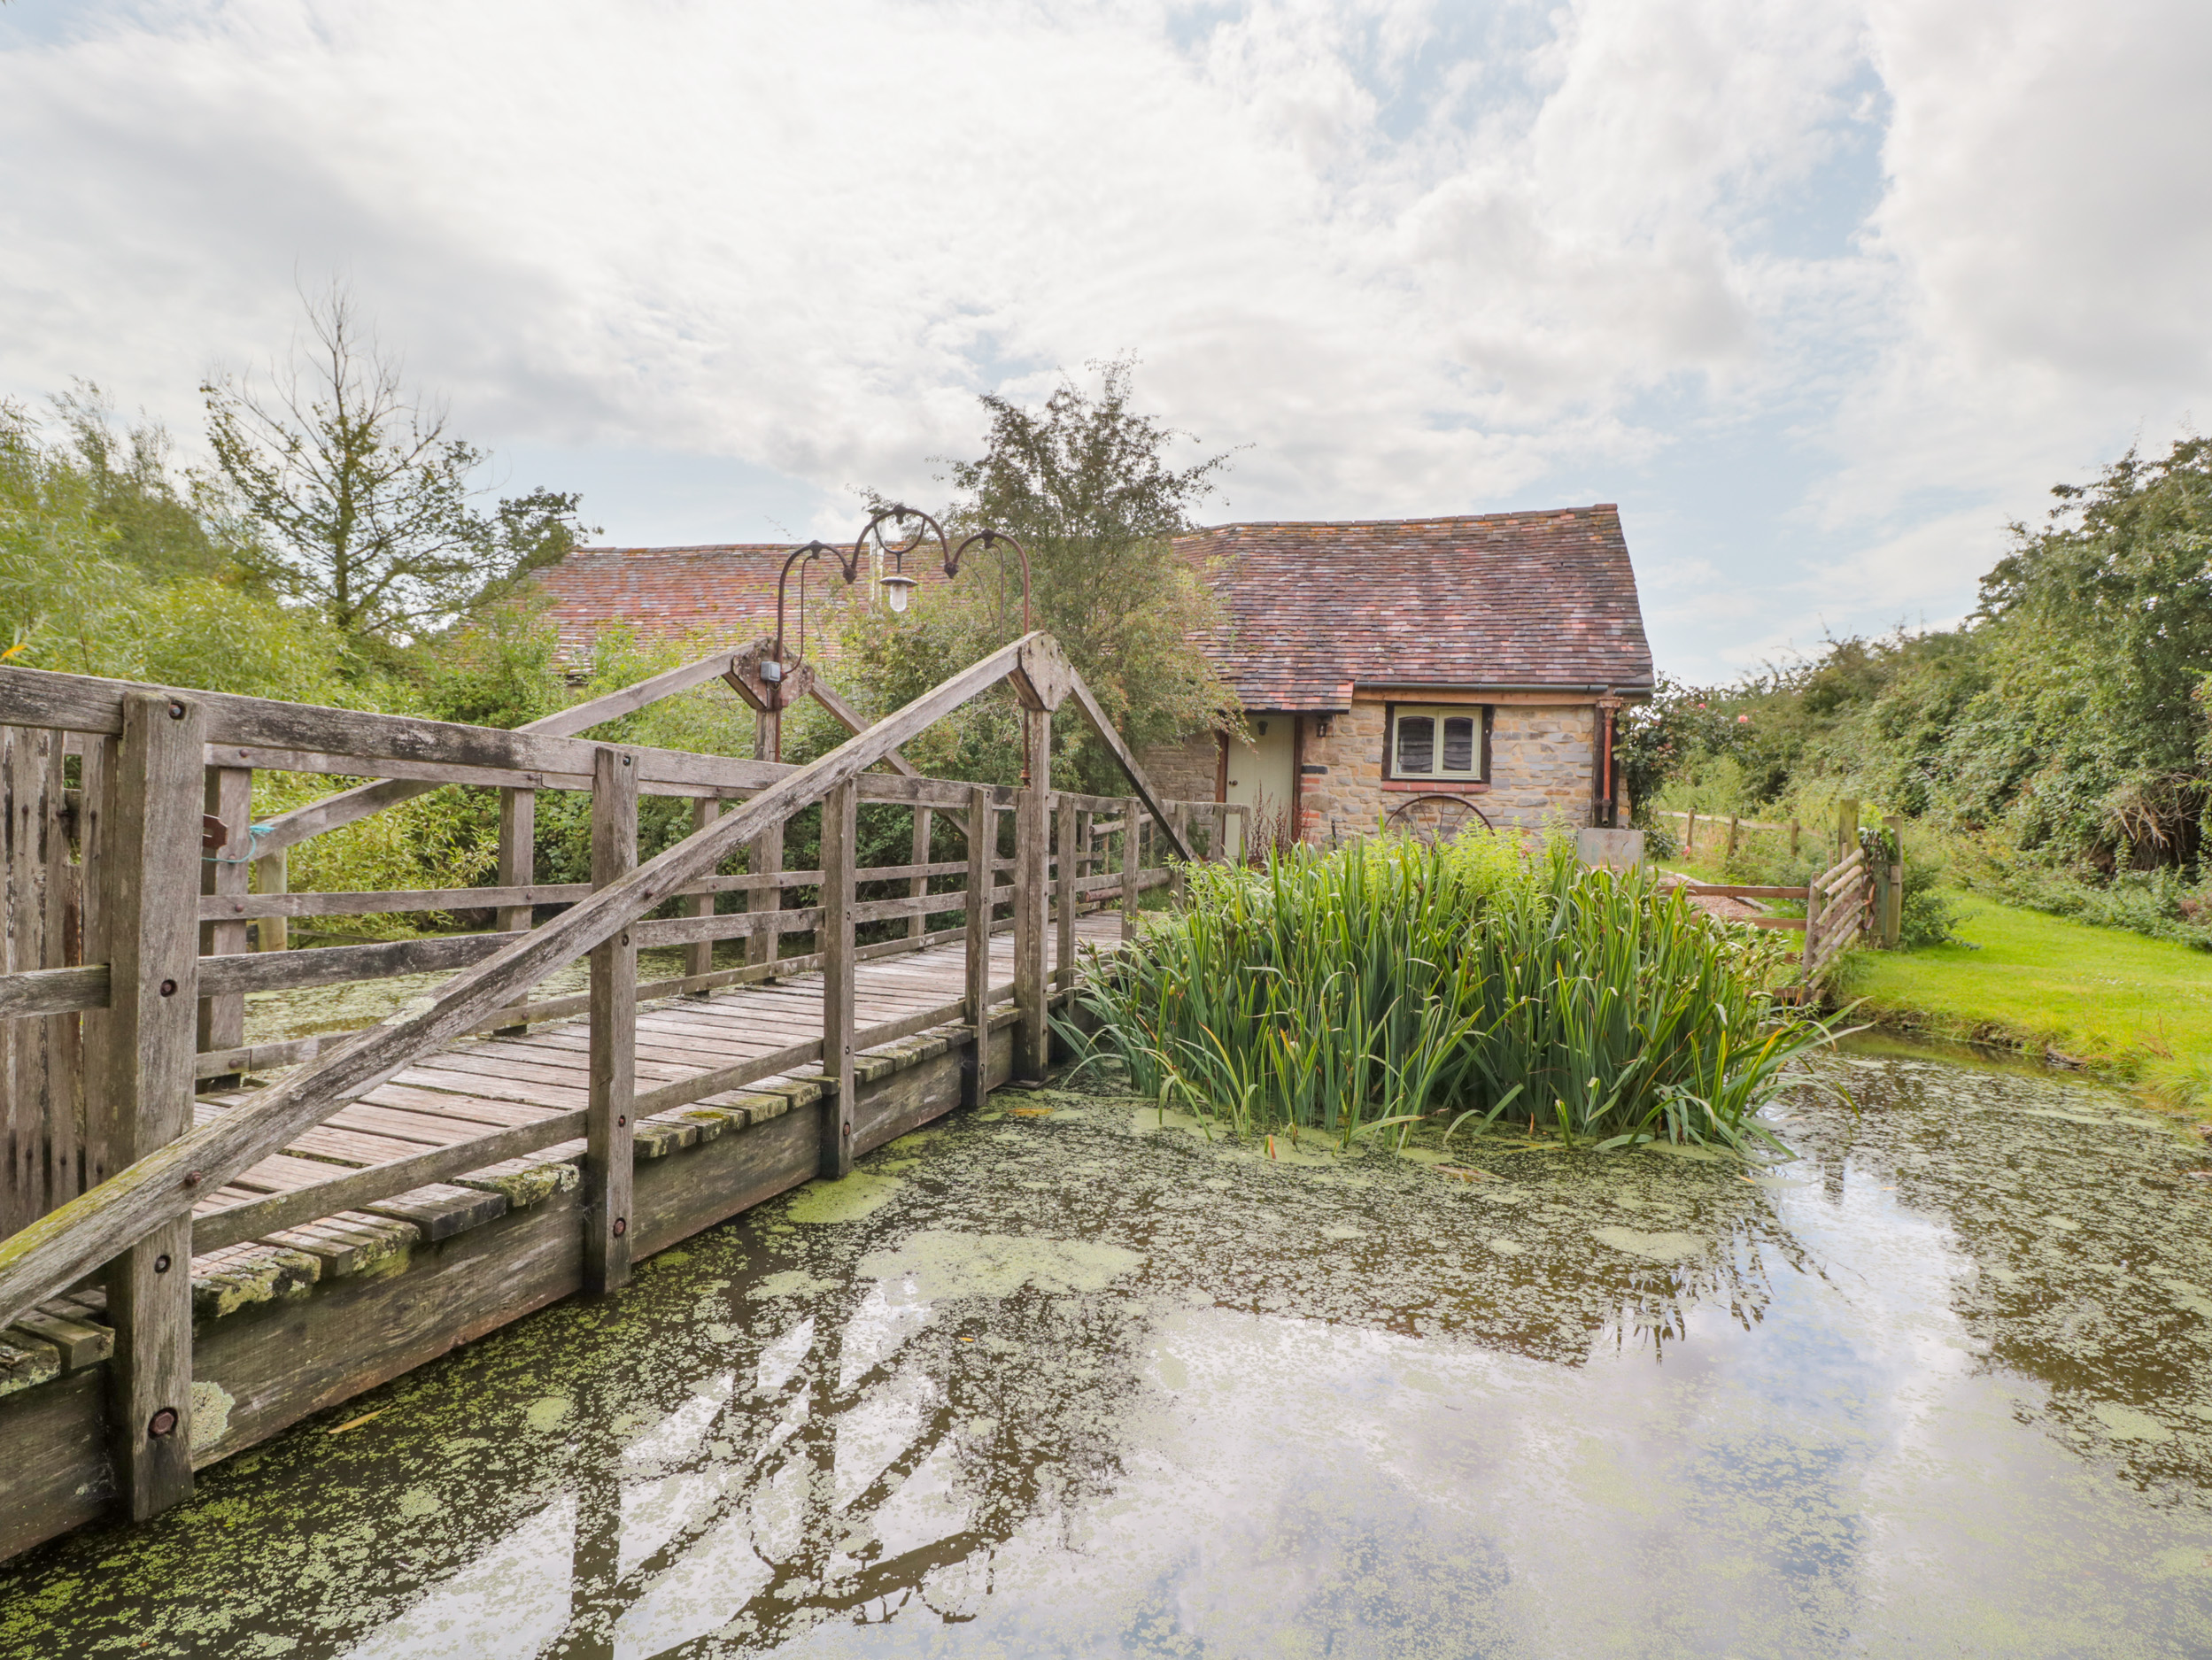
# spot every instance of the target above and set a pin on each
(1794, 833)
(518, 868)
(1893, 887)
(518, 854)
(1131, 857)
(839, 837)
(764, 856)
(1689, 835)
(698, 958)
(919, 886)
(1728, 847)
(610, 1161)
(983, 846)
(1812, 931)
(273, 874)
(1846, 827)
(1070, 869)
(37, 1093)
(1031, 889)
(140, 1050)
(1179, 816)
(226, 871)
(1086, 855)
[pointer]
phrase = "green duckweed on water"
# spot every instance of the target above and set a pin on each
(1088, 1382)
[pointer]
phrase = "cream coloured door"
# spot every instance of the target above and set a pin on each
(1260, 770)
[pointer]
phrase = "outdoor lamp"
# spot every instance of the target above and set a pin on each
(898, 586)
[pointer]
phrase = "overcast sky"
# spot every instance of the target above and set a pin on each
(1823, 295)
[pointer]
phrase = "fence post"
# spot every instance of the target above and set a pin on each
(1812, 900)
(983, 846)
(611, 1159)
(1846, 827)
(225, 873)
(37, 1093)
(273, 874)
(1690, 834)
(764, 856)
(1071, 871)
(518, 853)
(1032, 890)
(1793, 839)
(917, 886)
(840, 832)
(1178, 815)
(518, 868)
(139, 1052)
(698, 958)
(1728, 847)
(1893, 886)
(1131, 857)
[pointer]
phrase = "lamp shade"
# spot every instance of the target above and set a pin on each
(898, 589)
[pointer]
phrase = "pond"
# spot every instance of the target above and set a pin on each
(1060, 1378)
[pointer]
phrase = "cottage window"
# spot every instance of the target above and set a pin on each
(1436, 743)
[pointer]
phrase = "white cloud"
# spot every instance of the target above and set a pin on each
(1419, 256)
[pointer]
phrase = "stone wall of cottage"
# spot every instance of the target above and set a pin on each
(1541, 761)
(1188, 771)
(1541, 770)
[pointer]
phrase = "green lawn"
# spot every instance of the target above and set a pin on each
(2128, 1006)
(2134, 1007)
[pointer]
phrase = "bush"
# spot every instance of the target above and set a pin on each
(1370, 985)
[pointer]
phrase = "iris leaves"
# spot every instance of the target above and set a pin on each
(1361, 990)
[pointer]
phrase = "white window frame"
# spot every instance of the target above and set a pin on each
(1439, 713)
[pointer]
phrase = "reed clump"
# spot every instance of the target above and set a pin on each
(1374, 985)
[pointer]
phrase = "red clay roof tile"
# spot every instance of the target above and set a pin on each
(1504, 600)
(1500, 599)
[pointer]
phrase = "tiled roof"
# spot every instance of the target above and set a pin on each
(724, 593)
(1497, 599)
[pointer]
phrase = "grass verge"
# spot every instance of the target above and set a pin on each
(2119, 1004)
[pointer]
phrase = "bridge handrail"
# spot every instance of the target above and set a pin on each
(161, 1187)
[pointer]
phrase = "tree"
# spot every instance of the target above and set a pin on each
(365, 502)
(1087, 485)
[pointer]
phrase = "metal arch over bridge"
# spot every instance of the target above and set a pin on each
(133, 1204)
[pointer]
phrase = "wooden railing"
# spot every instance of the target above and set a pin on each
(1839, 908)
(128, 967)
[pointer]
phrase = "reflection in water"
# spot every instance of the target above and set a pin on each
(1089, 1383)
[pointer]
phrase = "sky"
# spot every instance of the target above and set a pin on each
(1823, 295)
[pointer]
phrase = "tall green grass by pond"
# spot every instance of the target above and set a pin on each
(1375, 984)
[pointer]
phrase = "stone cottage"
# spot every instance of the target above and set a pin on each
(1471, 667)
(1467, 667)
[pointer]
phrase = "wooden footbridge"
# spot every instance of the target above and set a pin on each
(202, 1241)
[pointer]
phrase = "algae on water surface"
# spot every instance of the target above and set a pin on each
(1087, 1382)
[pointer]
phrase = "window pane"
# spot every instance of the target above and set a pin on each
(1417, 744)
(1458, 744)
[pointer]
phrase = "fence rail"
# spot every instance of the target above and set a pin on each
(1840, 906)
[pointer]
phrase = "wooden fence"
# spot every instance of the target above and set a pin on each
(1842, 904)
(128, 902)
